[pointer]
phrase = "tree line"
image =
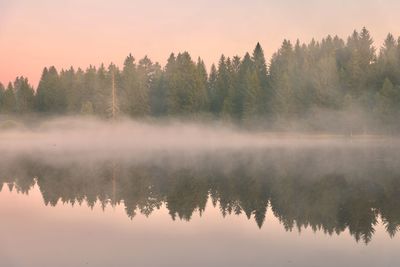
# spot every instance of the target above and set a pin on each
(331, 74)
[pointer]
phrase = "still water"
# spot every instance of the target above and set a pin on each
(305, 206)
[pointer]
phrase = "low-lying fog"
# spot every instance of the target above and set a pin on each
(75, 138)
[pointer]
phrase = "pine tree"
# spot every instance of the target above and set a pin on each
(202, 91)
(9, 103)
(389, 60)
(366, 50)
(2, 91)
(89, 87)
(146, 71)
(102, 90)
(70, 83)
(129, 85)
(50, 95)
(185, 92)
(78, 91)
(262, 77)
(212, 89)
(224, 88)
(360, 56)
(24, 95)
(158, 94)
(243, 86)
(281, 69)
(388, 97)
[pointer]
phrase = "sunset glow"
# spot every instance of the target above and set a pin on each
(35, 34)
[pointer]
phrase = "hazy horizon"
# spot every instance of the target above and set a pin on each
(43, 33)
(199, 133)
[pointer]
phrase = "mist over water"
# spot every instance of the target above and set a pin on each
(74, 138)
(256, 158)
(168, 186)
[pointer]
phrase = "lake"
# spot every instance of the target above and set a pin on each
(330, 204)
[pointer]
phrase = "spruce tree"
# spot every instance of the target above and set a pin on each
(262, 77)
(9, 103)
(89, 87)
(50, 95)
(212, 90)
(129, 84)
(24, 95)
(389, 60)
(202, 91)
(185, 92)
(2, 91)
(224, 88)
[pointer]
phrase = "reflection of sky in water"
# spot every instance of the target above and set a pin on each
(33, 234)
(353, 191)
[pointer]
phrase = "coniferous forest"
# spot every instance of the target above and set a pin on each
(299, 81)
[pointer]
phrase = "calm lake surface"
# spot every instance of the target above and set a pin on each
(304, 206)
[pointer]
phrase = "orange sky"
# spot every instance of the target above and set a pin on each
(39, 33)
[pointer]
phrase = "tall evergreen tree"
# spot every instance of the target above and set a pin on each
(212, 89)
(9, 103)
(224, 88)
(282, 63)
(70, 84)
(185, 94)
(89, 87)
(50, 95)
(389, 60)
(158, 94)
(260, 65)
(146, 72)
(129, 85)
(202, 78)
(24, 95)
(2, 92)
(387, 103)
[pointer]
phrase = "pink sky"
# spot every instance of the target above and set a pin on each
(34, 34)
(109, 238)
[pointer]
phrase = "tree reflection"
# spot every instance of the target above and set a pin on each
(348, 193)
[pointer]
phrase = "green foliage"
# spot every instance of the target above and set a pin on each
(2, 92)
(185, 85)
(212, 90)
(70, 82)
(24, 95)
(298, 80)
(8, 102)
(141, 91)
(387, 102)
(224, 88)
(50, 95)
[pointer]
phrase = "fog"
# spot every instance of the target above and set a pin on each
(76, 138)
(310, 179)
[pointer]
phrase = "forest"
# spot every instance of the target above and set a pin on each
(299, 82)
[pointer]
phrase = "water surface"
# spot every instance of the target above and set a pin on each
(336, 205)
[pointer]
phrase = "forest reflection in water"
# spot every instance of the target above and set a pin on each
(328, 189)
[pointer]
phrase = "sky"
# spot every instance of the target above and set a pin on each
(39, 33)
